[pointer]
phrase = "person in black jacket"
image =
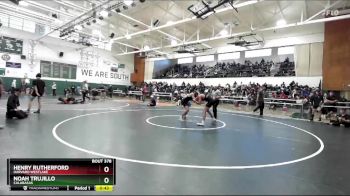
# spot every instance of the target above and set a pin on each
(38, 91)
(12, 106)
(316, 101)
(260, 101)
(153, 101)
(110, 91)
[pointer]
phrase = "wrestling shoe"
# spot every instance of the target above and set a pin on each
(200, 124)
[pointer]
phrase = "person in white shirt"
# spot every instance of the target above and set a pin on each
(54, 87)
(85, 90)
(26, 85)
(13, 86)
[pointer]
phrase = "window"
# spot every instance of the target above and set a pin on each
(258, 53)
(185, 60)
(58, 70)
(16, 23)
(230, 48)
(183, 55)
(205, 58)
(4, 19)
(29, 26)
(286, 50)
(228, 56)
(40, 29)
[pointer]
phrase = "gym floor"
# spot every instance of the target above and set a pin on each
(159, 154)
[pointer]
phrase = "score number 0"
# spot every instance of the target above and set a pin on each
(106, 179)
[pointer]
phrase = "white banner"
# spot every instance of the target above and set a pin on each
(103, 75)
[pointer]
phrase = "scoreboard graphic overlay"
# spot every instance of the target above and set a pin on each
(96, 174)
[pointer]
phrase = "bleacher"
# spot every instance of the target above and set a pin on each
(229, 69)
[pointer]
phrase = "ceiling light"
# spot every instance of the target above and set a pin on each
(245, 3)
(223, 32)
(96, 32)
(58, 22)
(128, 36)
(146, 47)
(79, 27)
(23, 3)
(173, 42)
(169, 22)
(104, 13)
(281, 22)
(128, 2)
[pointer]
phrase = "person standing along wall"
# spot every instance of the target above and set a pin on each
(13, 86)
(38, 91)
(23, 87)
(260, 101)
(26, 84)
(316, 100)
(110, 91)
(144, 90)
(54, 87)
(103, 90)
(73, 89)
(85, 90)
(1, 87)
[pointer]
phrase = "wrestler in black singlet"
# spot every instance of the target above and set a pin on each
(212, 102)
(186, 101)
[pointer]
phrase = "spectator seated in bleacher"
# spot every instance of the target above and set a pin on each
(229, 69)
(330, 100)
(292, 92)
